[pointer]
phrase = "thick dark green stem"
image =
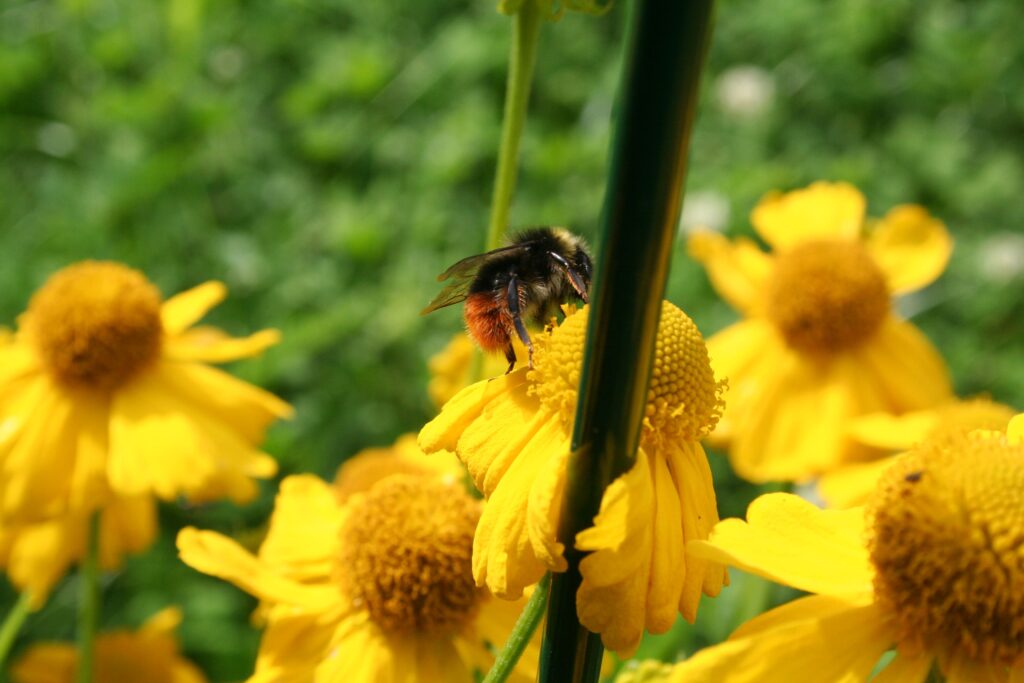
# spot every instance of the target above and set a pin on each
(668, 42)
(12, 626)
(89, 602)
(525, 34)
(521, 634)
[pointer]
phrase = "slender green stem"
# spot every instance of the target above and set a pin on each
(521, 634)
(12, 626)
(89, 602)
(523, 57)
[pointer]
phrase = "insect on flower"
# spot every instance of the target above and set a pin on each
(541, 269)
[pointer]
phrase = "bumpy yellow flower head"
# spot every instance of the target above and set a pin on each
(104, 390)
(948, 544)
(934, 568)
(513, 434)
(819, 336)
(376, 584)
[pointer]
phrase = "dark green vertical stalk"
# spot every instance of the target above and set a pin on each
(668, 42)
(89, 602)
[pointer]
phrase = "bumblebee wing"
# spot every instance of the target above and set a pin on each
(454, 293)
(468, 266)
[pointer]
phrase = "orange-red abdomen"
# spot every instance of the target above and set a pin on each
(488, 321)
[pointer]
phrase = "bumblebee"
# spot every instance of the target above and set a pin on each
(528, 280)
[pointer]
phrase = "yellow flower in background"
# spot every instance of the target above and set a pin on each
(853, 484)
(375, 588)
(451, 369)
(819, 343)
(105, 386)
(149, 655)
(932, 567)
(36, 555)
(513, 434)
(370, 465)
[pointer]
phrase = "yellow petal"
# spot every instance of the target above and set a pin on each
(741, 353)
(905, 669)
(799, 649)
(46, 663)
(738, 270)
(293, 644)
(1015, 430)
(183, 310)
(493, 625)
(503, 555)
(304, 529)
(911, 247)
(790, 541)
(40, 554)
(17, 360)
(128, 525)
(852, 484)
(820, 211)
(668, 566)
(544, 508)
(893, 432)
(217, 555)
(907, 366)
(163, 622)
(210, 345)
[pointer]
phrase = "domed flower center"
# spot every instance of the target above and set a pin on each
(971, 414)
(683, 399)
(406, 554)
(827, 296)
(948, 547)
(95, 323)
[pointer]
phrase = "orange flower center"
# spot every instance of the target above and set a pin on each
(827, 296)
(684, 401)
(95, 323)
(948, 547)
(406, 554)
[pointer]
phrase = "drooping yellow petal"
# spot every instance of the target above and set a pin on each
(905, 669)
(821, 211)
(790, 541)
(911, 247)
(852, 484)
(183, 310)
(294, 642)
(893, 432)
(799, 649)
(668, 566)
(1015, 430)
(738, 270)
(544, 507)
(217, 555)
(128, 525)
(907, 366)
(211, 345)
(304, 529)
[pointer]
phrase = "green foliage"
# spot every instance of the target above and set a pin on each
(326, 158)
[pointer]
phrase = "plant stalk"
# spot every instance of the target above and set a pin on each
(522, 632)
(12, 624)
(89, 603)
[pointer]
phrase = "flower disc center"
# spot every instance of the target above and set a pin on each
(95, 323)
(406, 554)
(827, 296)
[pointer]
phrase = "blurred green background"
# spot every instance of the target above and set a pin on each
(327, 158)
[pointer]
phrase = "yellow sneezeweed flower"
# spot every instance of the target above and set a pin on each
(367, 581)
(150, 654)
(104, 385)
(819, 343)
(513, 434)
(853, 484)
(451, 369)
(933, 567)
(36, 555)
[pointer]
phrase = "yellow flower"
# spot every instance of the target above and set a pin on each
(933, 567)
(852, 484)
(451, 369)
(374, 588)
(150, 654)
(819, 342)
(36, 555)
(104, 386)
(370, 465)
(513, 434)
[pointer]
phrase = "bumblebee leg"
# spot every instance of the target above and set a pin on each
(517, 320)
(510, 356)
(574, 278)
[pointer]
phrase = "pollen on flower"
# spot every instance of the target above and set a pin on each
(827, 296)
(948, 547)
(683, 399)
(406, 554)
(95, 323)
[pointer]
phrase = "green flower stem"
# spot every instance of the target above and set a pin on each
(668, 44)
(89, 602)
(523, 57)
(12, 626)
(521, 634)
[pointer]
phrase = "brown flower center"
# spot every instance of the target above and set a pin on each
(827, 296)
(406, 554)
(95, 323)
